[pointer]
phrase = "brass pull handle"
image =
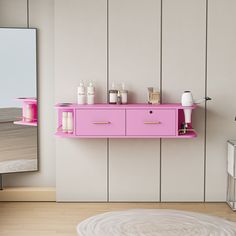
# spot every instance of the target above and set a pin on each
(152, 122)
(101, 122)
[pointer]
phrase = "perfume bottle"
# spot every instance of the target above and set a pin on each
(113, 94)
(118, 100)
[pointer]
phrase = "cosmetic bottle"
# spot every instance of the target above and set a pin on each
(81, 94)
(113, 94)
(28, 113)
(69, 123)
(118, 100)
(124, 95)
(64, 122)
(90, 93)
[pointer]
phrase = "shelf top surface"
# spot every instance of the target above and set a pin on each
(28, 100)
(122, 106)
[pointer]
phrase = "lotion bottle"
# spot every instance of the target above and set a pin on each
(90, 94)
(81, 94)
(124, 94)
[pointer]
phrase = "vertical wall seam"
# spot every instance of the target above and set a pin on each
(27, 14)
(161, 25)
(108, 73)
(160, 168)
(206, 80)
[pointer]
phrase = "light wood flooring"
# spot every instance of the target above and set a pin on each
(18, 143)
(49, 219)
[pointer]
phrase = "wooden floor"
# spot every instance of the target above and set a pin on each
(49, 219)
(18, 143)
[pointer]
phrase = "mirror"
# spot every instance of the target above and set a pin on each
(18, 100)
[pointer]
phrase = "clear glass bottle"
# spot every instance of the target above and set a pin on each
(113, 94)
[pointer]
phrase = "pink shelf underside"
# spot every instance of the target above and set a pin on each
(183, 136)
(25, 123)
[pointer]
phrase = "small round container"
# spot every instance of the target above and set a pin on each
(124, 96)
(113, 96)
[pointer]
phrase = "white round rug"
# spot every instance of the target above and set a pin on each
(156, 222)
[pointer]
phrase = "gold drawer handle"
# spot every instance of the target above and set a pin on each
(152, 122)
(101, 122)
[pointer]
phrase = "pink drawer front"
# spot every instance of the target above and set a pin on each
(100, 122)
(153, 122)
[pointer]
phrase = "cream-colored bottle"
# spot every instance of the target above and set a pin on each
(90, 94)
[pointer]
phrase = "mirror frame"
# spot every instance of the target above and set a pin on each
(38, 105)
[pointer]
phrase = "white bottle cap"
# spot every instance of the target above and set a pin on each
(90, 88)
(81, 88)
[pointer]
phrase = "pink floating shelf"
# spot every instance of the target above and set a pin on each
(124, 121)
(25, 123)
(33, 111)
(27, 100)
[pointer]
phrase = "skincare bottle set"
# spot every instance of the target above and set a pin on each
(154, 95)
(85, 97)
(67, 122)
(118, 96)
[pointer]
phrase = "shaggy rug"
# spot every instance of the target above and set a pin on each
(142, 222)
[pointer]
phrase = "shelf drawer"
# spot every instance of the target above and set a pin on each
(100, 122)
(150, 122)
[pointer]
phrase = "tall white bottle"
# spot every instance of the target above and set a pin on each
(186, 101)
(124, 94)
(90, 93)
(64, 122)
(81, 98)
(69, 123)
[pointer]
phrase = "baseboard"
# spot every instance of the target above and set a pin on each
(28, 194)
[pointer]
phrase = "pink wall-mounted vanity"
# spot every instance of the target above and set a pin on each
(124, 121)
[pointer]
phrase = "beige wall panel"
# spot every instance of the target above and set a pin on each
(183, 69)
(13, 13)
(134, 50)
(80, 54)
(81, 170)
(221, 125)
(134, 170)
